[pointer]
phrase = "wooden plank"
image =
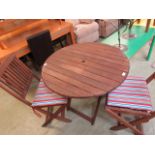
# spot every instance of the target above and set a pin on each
(87, 54)
(77, 59)
(71, 81)
(104, 52)
(79, 67)
(88, 80)
(88, 71)
(99, 47)
(62, 88)
(92, 64)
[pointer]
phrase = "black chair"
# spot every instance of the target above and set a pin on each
(41, 47)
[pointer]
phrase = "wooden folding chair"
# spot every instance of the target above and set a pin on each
(131, 97)
(16, 78)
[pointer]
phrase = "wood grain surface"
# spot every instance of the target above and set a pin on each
(85, 70)
(13, 36)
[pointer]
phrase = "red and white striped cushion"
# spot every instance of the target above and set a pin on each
(45, 97)
(132, 93)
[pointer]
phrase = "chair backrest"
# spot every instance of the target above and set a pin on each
(15, 77)
(40, 45)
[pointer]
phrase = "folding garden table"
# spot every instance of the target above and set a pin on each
(85, 70)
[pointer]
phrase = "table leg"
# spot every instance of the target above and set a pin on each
(72, 35)
(147, 25)
(96, 110)
(151, 48)
(92, 118)
(68, 103)
(154, 22)
(138, 21)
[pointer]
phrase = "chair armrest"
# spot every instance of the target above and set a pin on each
(150, 78)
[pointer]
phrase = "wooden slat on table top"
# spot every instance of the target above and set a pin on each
(101, 54)
(79, 71)
(101, 58)
(68, 59)
(77, 59)
(85, 77)
(88, 70)
(59, 86)
(98, 47)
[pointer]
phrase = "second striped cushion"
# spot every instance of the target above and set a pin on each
(132, 93)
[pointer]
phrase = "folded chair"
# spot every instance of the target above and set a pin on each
(131, 97)
(16, 78)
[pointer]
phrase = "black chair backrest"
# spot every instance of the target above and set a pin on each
(40, 45)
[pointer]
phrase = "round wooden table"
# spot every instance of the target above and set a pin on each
(85, 70)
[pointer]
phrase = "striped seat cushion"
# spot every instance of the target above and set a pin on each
(132, 93)
(45, 97)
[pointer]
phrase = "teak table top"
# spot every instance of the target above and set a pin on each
(85, 70)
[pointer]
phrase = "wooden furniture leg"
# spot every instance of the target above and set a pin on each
(69, 104)
(124, 122)
(139, 126)
(138, 21)
(96, 110)
(92, 118)
(136, 122)
(154, 22)
(48, 120)
(147, 25)
(50, 116)
(72, 35)
(118, 123)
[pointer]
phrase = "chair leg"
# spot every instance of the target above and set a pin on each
(136, 122)
(124, 122)
(139, 126)
(50, 115)
(118, 122)
(62, 115)
(48, 118)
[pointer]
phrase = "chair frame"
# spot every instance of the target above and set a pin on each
(16, 78)
(142, 116)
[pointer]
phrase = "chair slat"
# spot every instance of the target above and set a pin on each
(16, 76)
(23, 76)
